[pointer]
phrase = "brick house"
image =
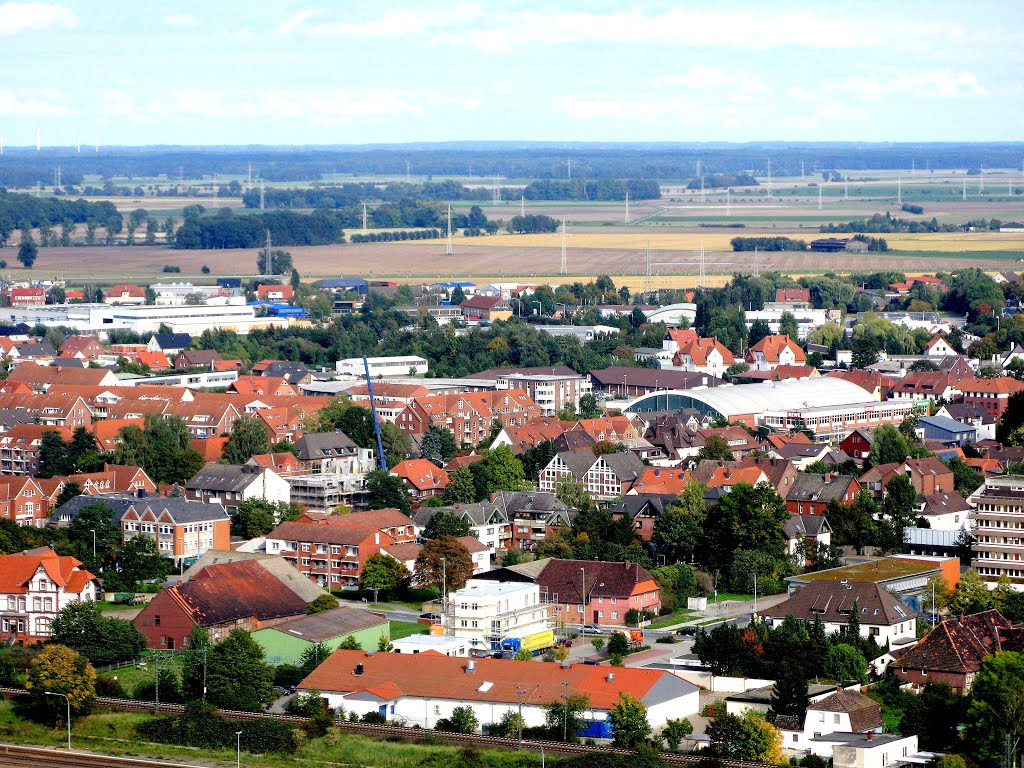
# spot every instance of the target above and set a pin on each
(34, 586)
(857, 444)
(952, 652)
(588, 591)
(423, 478)
(811, 494)
(244, 594)
(276, 293)
(28, 297)
(23, 501)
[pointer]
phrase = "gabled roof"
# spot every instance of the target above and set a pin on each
(833, 601)
(17, 570)
(772, 346)
(823, 488)
(957, 645)
(225, 477)
(331, 625)
(803, 526)
(564, 578)
(1003, 385)
(865, 713)
(421, 474)
(231, 591)
(325, 534)
(172, 340)
(388, 676)
(944, 503)
(314, 446)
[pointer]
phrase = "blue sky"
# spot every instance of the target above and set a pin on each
(227, 72)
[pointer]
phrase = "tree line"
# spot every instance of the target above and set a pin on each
(767, 244)
(224, 229)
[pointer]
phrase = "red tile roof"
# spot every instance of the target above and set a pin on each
(391, 675)
(772, 346)
(17, 570)
(421, 474)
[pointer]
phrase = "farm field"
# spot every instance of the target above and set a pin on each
(473, 259)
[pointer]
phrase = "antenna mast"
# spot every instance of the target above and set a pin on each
(448, 241)
(564, 268)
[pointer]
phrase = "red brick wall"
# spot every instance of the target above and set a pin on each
(174, 624)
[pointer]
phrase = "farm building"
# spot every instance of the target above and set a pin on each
(285, 643)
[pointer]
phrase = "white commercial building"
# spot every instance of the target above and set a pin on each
(446, 645)
(420, 690)
(807, 319)
(403, 365)
(486, 612)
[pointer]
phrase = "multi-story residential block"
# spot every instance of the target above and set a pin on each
(485, 612)
(605, 477)
(551, 392)
(334, 453)
(19, 447)
(991, 394)
(182, 529)
(34, 586)
(204, 418)
(998, 547)
(331, 556)
(468, 415)
(53, 409)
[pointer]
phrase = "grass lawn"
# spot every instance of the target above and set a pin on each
(131, 677)
(675, 617)
(400, 629)
(108, 606)
(113, 733)
(731, 597)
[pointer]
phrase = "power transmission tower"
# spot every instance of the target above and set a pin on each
(407, 177)
(364, 217)
(846, 188)
(448, 241)
(700, 282)
(568, 168)
(250, 173)
(769, 189)
(981, 181)
(964, 194)
(703, 198)
(564, 268)
(728, 201)
(820, 187)
(899, 189)
(755, 260)
(627, 206)
(263, 196)
(801, 170)
(522, 206)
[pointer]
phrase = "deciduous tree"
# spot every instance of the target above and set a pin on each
(629, 722)
(60, 669)
(238, 677)
(248, 437)
(384, 574)
(443, 562)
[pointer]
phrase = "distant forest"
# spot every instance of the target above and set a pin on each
(23, 168)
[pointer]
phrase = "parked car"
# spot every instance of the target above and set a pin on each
(429, 618)
(594, 662)
(565, 641)
(591, 629)
(687, 631)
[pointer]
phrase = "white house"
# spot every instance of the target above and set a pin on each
(937, 346)
(486, 612)
(421, 689)
(231, 484)
(34, 586)
(446, 645)
(844, 712)
(882, 616)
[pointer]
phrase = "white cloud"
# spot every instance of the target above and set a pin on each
(391, 25)
(319, 107)
(45, 105)
(19, 17)
(181, 20)
(943, 83)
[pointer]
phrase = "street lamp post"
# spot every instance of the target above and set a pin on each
(238, 749)
(52, 693)
(583, 597)
(540, 306)
(565, 712)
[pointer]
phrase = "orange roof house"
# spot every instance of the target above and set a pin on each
(40, 582)
(666, 481)
(775, 350)
(424, 478)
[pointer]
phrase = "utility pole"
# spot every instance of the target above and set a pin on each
(519, 696)
(448, 240)
(565, 712)
(564, 267)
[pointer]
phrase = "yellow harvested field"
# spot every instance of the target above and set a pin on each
(715, 241)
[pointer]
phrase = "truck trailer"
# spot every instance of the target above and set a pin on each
(534, 644)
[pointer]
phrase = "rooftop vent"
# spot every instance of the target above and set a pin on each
(610, 677)
(470, 666)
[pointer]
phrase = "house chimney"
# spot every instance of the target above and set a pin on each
(871, 735)
(827, 478)
(470, 666)
(359, 669)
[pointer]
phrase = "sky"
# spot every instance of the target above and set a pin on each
(230, 72)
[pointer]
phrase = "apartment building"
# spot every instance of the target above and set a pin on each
(605, 477)
(468, 415)
(19, 447)
(991, 394)
(999, 530)
(486, 612)
(182, 530)
(551, 392)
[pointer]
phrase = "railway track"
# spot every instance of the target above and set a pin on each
(476, 740)
(17, 756)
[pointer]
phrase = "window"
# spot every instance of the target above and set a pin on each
(156, 620)
(835, 719)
